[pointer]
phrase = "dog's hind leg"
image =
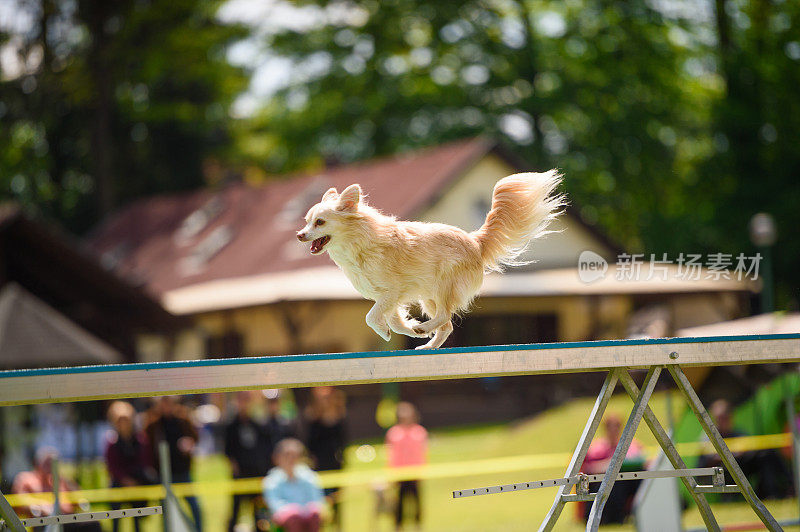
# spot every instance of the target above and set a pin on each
(439, 316)
(439, 336)
(402, 325)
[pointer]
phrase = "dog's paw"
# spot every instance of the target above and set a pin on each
(386, 335)
(420, 329)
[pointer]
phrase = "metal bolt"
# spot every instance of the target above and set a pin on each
(673, 355)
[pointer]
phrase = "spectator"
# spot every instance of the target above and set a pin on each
(765, 470)
(598, 457)
(278, 426)
(407, 445)
(126, 455)
(326, 436)
(169, 421)
(41, 480)
(249, 449)
(292, 490)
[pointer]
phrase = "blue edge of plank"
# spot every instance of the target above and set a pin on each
(271, 359)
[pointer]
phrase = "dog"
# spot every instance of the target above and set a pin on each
(441, 267)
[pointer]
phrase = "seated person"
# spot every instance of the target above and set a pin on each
(292, 490)
(40, 480)
(766, 471)
(597, 460)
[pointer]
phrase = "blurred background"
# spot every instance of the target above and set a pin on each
(157, 157)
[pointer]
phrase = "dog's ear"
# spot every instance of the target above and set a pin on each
(330, 194)
(348, 200)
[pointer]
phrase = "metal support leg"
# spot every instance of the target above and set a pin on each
(724, 453)
(791, 416)
(671, 453)
(175, 519)
(622, 448)
(166, 479)
(56, 495)
(580, 451)
(9, 516)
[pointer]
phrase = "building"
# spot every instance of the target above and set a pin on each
(229, 259)
(60, 307)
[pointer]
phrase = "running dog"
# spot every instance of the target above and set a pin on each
(397, 263)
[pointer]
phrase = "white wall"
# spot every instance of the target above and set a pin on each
(466, 202)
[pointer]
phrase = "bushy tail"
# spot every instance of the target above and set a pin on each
(523, 205)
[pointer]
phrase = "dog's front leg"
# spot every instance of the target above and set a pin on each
(376, 318)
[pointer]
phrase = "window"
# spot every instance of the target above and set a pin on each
(203, 252)
(497, 329)
(227, 345)
(194, 224)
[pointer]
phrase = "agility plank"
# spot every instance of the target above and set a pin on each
(53, 385)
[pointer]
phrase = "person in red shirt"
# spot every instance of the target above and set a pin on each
(41, 480)
(407, 445)
(597, 459)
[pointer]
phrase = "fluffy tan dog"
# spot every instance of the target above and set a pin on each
(396, 263)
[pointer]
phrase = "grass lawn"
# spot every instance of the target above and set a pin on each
(555, 431)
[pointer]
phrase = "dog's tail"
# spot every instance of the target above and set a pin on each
(523, 205)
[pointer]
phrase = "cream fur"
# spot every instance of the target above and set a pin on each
(397, 263)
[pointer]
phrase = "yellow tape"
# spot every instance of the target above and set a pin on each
(329, 479)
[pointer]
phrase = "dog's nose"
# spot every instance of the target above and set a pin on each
(301, 236)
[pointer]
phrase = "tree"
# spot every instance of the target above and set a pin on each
(595, 88)
(109, 101)
(672, 127)
(756, 131)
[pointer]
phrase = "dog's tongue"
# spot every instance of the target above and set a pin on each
(317, 244)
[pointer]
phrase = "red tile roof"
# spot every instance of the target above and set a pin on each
(256, 225)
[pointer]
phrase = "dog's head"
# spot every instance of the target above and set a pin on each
(327, 218)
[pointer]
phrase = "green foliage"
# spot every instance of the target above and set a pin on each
(595, 88)
(673, 128)
(756, 133)
(118, 100)
(668, 140)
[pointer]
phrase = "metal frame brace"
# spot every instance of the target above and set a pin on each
(10, 521)
(640, 398)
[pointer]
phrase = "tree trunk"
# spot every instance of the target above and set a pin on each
(532, 105)
(96, 14)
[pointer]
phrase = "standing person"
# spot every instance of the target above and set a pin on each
(292, 490)
(598, 458)
(249, 448)
(126, 455)
(278, 426)
(407, 445)
(169, 421)
(326, 436)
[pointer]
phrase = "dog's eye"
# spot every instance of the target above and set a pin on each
(319, 222)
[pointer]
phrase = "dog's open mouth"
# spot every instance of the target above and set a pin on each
(319, 243)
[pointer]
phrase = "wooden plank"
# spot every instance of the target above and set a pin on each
(198, 376)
